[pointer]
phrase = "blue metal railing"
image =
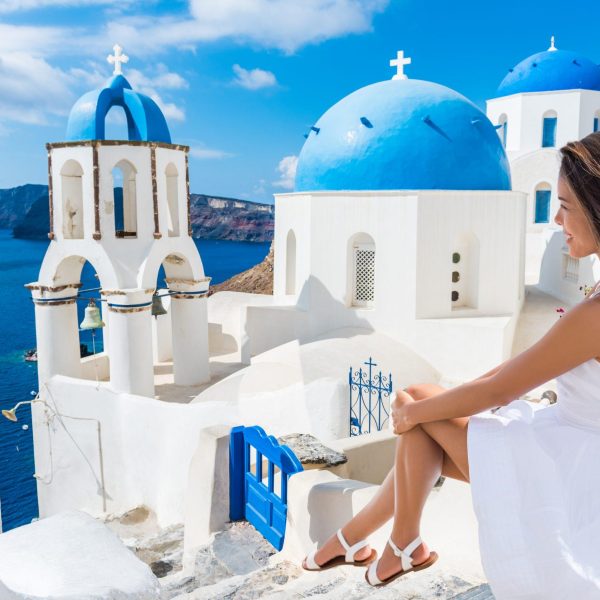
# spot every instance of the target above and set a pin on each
(370, 406)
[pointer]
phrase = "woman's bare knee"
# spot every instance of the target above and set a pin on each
(421, 391)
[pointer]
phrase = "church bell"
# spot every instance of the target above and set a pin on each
(91, 319)
(157, 306)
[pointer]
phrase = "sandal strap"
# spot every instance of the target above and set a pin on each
(372, 574)
(310, 561)
(406, 552)
(350, 550)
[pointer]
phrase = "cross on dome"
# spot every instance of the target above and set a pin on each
(117, 59)
(552, 48)
(399, 63)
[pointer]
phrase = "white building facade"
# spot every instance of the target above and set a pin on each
(547, 100)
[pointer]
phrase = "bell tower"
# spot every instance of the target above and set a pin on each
(123, 206)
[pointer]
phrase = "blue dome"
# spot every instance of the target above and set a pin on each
(145, 121)
(550, 71)
(403, 135)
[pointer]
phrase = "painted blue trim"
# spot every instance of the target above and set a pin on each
(549, 132)
(542, 206)
(130, 305)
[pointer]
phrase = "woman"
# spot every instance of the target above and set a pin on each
(534, 470)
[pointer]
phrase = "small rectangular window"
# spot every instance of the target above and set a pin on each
(549, 135)
(570, 268)
(364, 275)
(542, 206)
(596, 120)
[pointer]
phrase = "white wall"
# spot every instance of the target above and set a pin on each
(552, 273)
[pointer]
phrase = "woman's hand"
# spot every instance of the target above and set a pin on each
(399, 417)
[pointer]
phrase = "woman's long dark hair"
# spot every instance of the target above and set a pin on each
(580, 167)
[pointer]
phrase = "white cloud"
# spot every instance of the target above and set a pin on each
(283, 24)
(253, 79)
(9, 6)
(207, 153)
(36, 89)
(287, 172)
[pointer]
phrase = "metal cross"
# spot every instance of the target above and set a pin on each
(399, 63)
(117, 59)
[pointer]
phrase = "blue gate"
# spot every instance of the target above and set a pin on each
(250, 497)
(369, 410)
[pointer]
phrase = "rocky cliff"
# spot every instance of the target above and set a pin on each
(16, 202)
(25, 210)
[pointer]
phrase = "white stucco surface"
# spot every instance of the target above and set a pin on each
(71, 556)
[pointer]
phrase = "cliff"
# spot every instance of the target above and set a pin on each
(16, 202)
(25, 210)
(257, 280)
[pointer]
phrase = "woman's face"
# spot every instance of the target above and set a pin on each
(570, 216)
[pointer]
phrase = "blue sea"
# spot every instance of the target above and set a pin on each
(20, 261)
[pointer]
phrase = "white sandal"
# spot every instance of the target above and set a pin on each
(407, 563)
(347, 559)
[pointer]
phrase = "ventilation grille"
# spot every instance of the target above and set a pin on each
(364, 284)
(570, 268)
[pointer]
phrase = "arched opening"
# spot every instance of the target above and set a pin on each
(125, 201)
(290, 263)
(361, 271)
(596, 122)
(72, 200)
(464, 267)
(549, 124)
(115, 124)
(543, 194)
(91, 343)
(179, 326)
(172, 200)
(503, 128)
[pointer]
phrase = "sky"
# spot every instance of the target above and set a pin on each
(242, 81)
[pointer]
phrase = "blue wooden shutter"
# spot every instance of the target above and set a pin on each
(549, 135)
(542, 206)
(595, 124)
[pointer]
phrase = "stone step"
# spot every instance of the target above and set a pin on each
(481, 592)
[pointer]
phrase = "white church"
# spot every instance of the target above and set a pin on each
(416, 221)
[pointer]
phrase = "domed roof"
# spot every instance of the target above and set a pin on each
(145, 121)
(403, 134)
(550, 71)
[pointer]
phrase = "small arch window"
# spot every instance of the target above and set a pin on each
(125, 200)
(455, 276)
(549, 125)
(290, 263)
(361, 270)
(543, 193)
(72, 200)
(172, 178)
(503, 128)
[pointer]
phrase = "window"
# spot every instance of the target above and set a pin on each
(596, 122)
(549, 130)
(290, 263)
(72, 200)
(570, 268)
(464, 272)
(542, 203)
(364, 275)
(172, 204)
(502, 128)
(124, 195)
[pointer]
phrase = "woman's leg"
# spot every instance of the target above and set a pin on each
(428, 462)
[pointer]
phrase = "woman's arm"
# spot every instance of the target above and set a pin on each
(574, 339)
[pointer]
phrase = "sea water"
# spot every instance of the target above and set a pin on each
(20, 262)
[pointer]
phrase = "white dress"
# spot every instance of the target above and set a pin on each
(535, 479)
